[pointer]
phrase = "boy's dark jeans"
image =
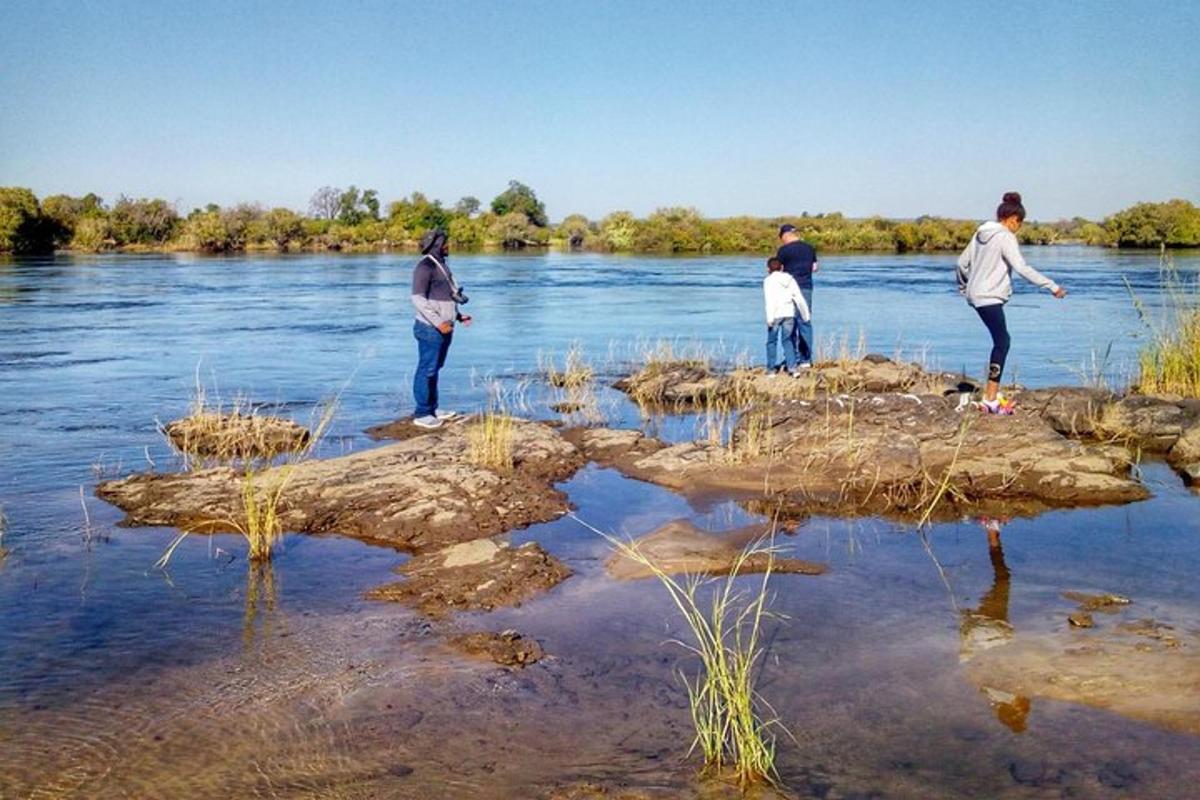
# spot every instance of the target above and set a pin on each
(432, 346)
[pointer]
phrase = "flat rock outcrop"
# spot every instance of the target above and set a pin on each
(417, 494)
(881, 453)
(474, 576)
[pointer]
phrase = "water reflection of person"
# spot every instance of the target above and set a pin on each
(987, 626)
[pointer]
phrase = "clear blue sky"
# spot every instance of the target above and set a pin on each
(884, 108)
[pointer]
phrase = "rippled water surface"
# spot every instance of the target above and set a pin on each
(210, 679)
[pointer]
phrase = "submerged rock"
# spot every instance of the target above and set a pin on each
(680, 547)
(509, 648)
(882, 453)
(474, 576)
(417, 494)
(1143, 669)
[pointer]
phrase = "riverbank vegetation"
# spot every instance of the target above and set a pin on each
(355, 219)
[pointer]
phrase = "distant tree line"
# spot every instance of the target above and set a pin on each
(354, 219)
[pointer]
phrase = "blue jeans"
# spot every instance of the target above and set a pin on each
(803, 336)
(432, 346)
(781, 329)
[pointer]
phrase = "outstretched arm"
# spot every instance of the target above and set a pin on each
(1012, 254)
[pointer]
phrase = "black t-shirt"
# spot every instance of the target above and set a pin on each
(798, 258)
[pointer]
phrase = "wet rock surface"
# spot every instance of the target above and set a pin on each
(474, 576)
(233, 435)
(418, 494)
(507, 648)
(882, 453)
(680, 547)
(1142, 668)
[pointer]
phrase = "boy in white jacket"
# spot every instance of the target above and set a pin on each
(783, 299)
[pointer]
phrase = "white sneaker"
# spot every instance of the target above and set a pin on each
(804, 365)
(443, 413)
(427, 422)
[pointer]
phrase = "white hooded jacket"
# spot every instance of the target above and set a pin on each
(783, 297)
(985, 267)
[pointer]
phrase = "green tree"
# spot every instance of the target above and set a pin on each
(618, 231)
(417, 214)
(575, 230)
(284, 226)
(521, 199)
(1175, 223)
(62, 213)
(92, 233)
(143, 221)
(22, 228)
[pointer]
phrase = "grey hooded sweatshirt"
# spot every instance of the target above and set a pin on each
(985, 267)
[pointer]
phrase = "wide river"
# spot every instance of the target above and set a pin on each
(207, 679)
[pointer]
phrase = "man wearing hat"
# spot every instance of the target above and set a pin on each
(436, 297)
(800, 261)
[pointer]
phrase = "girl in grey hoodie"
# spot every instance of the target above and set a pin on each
(984, 277)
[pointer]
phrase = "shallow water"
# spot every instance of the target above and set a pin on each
(120, 680)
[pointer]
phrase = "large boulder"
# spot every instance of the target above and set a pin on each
(419, 493)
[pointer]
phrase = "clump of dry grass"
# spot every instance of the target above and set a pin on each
(263, 484)
(490, 434)
(576, 371)
(1170, 362)
(734, 725)
(213, 434)
(490, 441)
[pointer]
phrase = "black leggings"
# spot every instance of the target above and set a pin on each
(993, 317)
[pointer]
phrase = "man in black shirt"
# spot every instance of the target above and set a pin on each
(800, 261)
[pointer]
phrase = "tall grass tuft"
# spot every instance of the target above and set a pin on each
(576, 371)
(734, 725)
(1170, 362)
(263, 484)
(490, 435)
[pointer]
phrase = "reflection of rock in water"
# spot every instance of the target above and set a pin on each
(987, 626)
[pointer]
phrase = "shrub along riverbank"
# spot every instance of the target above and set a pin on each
(354, 220)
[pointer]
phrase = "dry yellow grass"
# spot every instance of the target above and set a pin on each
(490, 441)
(576, 371)
(1170, 361)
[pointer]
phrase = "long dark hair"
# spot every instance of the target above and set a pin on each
(1010, 205)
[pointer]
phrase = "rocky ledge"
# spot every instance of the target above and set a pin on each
(897, 454)
(418, 494)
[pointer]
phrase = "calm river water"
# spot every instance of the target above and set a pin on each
(211, 680)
